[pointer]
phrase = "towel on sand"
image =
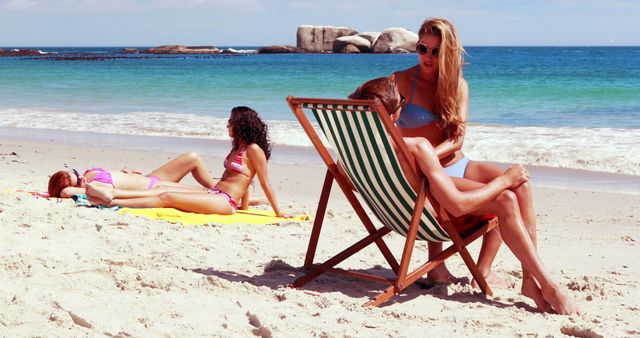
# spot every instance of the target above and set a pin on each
(251, 216)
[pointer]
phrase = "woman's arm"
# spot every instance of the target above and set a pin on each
(256, 156)
(244, 201)
(449, 146)
(70, 191)
(444, 189)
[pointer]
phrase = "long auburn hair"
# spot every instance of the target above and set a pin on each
(57, 182)
(382, 88)
(248, 128)
(450, 62)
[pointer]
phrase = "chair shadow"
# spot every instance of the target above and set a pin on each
(278, 274)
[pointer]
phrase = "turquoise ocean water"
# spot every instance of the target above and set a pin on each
(575, 107)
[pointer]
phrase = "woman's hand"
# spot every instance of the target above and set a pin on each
(98, 194)
(282, 215)
(516, 175)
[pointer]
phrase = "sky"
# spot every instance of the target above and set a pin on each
(270, 22)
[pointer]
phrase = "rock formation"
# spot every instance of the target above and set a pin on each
(327, 39)
(179, 49)
(21, 52)
(317, 39)
(279, 49)
(396, 40)
(363, 45)
(371, 36)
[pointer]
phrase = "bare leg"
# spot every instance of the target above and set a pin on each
(176, 169)
(517, 238)
(448, 192)
(484, 172)
(490, 242)
(439, 273)
(493, 198)
(198, 202)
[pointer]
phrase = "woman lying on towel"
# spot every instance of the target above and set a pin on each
(248, 158)
(494, 197)
(67, 183)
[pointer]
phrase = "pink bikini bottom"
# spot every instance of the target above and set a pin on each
(233, 203)
(153, 182)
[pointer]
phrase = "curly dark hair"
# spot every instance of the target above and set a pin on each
(248, 128)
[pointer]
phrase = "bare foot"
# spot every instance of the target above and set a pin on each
(442, 275)
(530, 289)
(98, 195)
(560, 301)
(494, 281)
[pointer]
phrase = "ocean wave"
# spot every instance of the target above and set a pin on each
(612, 150)
(596, 149)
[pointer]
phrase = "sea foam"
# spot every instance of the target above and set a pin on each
(612, 150)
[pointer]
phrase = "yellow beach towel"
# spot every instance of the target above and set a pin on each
(252, 216)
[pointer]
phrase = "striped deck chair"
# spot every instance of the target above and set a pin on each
(362, 137)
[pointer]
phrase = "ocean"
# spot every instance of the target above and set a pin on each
(559, 107)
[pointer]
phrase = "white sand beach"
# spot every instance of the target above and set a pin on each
(75, 271)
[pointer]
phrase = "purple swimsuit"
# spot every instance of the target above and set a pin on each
(104, 176)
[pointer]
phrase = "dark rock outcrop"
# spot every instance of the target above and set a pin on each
(21, 52)
(279, 49)
(179, 49)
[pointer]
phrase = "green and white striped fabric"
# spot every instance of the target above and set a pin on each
(358, 137)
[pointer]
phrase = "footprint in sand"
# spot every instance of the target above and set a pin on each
(259, 330)
(579, 332)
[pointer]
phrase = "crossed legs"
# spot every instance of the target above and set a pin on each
(484, 172)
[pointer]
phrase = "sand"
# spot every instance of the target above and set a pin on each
(74, 271)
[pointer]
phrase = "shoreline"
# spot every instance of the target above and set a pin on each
(545, 177)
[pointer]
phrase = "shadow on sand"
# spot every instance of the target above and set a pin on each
(278, 274)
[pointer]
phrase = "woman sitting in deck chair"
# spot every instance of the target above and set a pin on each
(491, 198)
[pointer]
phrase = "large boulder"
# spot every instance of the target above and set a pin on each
(361, 43)
(395, 39)
(349, 49)
(179, 49)
(371, 36)
(320, 38)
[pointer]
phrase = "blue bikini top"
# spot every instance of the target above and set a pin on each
(413, 115)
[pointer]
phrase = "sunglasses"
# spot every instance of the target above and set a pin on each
(422, 49)
(78, 182)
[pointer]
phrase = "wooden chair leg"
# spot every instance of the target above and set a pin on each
(461, 248)
(383, 297)
(317, 224)
(337, 259)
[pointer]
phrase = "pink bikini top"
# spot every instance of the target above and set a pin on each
(236, 163)
(102, 175)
